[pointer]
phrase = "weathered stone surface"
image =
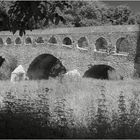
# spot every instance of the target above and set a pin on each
(73, 57)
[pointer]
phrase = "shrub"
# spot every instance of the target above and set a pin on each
(123, 120)
(74, 109)
(102, 122)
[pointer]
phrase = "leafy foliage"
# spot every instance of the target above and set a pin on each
(29, 15)
(26, 14)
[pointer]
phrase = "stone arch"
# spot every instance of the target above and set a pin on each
(1, 41)
(101, 44)
(8, 41)
(45, 66)
(83, 42)
(98, 71)
(67, 41)
(2, 59)
(122, 45)
(39, 40)
(7, 64)
(103, 71)
(18, 41)
(28, 40)
(53, 40)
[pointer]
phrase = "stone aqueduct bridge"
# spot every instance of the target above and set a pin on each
(76, 48)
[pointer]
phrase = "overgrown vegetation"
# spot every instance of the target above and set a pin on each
(71, 109)
(28, 15)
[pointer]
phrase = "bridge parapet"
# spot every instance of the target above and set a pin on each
(83, 38)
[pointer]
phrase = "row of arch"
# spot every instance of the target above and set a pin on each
(47, 65)
(101, 44)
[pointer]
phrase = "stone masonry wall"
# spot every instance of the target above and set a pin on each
(71, 56)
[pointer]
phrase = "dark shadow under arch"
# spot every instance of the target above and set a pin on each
(101, 44)
(1, 41)
(45, 66)
(39, 40)
(52, 40)
(122, 45)
(28, 40)
(18, 40)
(8, 41)
(98, 72)
(1, 60)
(82, 42)
(67, 41)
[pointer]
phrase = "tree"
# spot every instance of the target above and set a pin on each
(85, 13)
(4, 18)
(27, 14)
(119, 15)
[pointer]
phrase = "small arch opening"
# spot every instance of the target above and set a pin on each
(18, 40)
(99, 72)
(8, 41)
(45, 66)
(52, 40)
(28, 40)
(82, 42)
(67, 41)
(39, 40)
(122, 45)
(1, 41)
(101, 44)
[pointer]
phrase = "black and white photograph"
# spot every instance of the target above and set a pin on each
(69, 69)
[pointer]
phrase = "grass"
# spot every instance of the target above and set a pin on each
(73, 108)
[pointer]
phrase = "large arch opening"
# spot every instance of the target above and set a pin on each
(3, 70)
(45, 66)
(1, 60)
(99, 72)
(122, 45)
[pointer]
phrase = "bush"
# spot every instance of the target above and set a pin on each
(74, 109)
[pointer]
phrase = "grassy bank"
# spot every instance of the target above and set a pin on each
(75, 108)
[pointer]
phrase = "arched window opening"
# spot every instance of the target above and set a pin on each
(1, 41)
(39, 40)
(18, 40)
(101, 44)
(8, 41)
(82, 42)
(45, 66)
(28, 40)
(52, 40)
(67, 41)
(122, 45)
